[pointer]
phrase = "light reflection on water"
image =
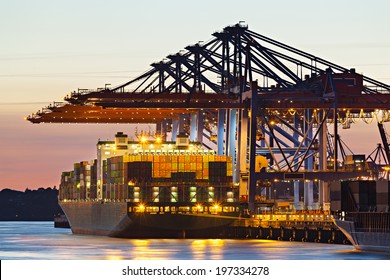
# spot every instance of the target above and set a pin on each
(40, 240)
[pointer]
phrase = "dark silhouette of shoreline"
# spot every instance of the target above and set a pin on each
(30, 205)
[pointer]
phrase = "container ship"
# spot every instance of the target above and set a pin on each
(151, 189)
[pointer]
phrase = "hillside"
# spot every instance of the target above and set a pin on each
(30, 205)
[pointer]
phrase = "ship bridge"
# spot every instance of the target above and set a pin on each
(245, 95)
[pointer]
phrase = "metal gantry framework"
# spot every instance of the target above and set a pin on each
(245, 95)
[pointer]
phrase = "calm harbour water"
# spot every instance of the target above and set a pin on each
(41, 241)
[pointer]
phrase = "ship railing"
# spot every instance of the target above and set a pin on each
(347, 219)
(199, 209)
(373, 229)
(104, 200)
(294, 217)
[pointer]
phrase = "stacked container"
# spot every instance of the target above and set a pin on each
(335, 196)
(359, 196)
(164, 165)
(105, 178)
(66, 186)
(76, 190)
(364, 194)
(114, 178)
(85, 180)
(138, 176)
(383, 196)
(93, 190)
(158, 178)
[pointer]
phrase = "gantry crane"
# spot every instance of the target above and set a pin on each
(252, 85)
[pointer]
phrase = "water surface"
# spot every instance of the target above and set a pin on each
(41, 241)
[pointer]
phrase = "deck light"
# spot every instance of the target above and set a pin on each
(143, 139)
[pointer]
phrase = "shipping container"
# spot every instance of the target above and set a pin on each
(382, 186)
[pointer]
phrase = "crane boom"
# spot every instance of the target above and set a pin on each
(384, 140)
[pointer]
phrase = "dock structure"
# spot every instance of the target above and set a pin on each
(274, 109)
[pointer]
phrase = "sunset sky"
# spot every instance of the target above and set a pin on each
(50, 48)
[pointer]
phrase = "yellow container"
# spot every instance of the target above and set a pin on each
(229, 167)
(193, 166)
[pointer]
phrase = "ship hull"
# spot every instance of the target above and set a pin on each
(113, 219)
(365, 240)
(95, 218)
